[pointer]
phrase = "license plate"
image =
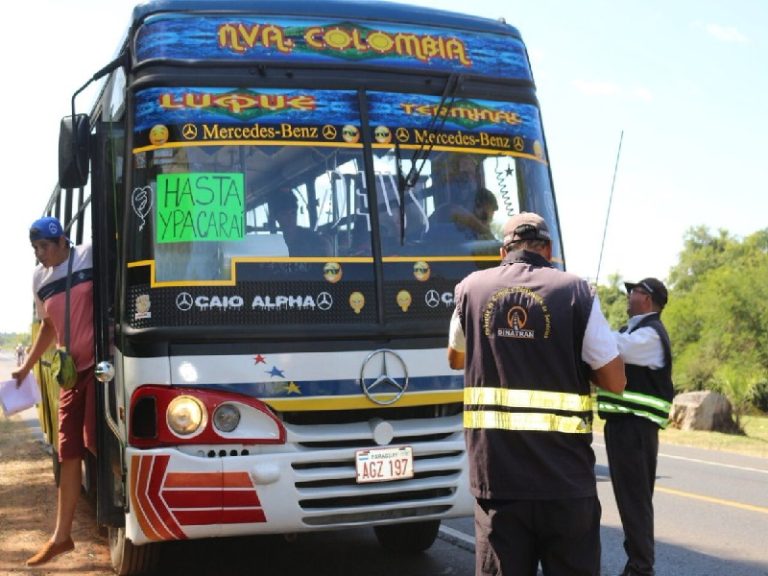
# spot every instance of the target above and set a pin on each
(384, 464)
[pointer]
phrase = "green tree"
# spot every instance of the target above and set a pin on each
(9, 340)
(613, 301)
(718, 315)
(701, 253)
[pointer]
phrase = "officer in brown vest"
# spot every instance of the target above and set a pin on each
(530, 338)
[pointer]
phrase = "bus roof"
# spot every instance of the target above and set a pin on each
(376, 10)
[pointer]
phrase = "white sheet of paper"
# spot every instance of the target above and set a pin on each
(14, 399)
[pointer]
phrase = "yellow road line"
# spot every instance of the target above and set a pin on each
(731, 503)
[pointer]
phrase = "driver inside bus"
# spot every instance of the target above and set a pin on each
(283, 207)
(478, 222)
(470, 209)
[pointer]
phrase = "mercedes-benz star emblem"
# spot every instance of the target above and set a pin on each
(189, 131)
(324, 301)
(184, 301)
(384, 377)
(432, 298)
(329, 132)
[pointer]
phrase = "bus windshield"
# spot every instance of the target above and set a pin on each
(274, 173)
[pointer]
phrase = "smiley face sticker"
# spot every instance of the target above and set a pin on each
(158, 134)
(421, 271)
(332, 272)
(357, 301)
(382, 135)
(350, 133)
(404, 300)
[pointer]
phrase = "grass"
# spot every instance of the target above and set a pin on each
(754, 442)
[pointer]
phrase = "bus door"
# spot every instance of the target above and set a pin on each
(107, 192)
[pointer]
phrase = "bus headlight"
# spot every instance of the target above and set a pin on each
(162, 415)
(226, 417)
(185, 415)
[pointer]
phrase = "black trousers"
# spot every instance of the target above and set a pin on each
(632, 444)
(513, 536)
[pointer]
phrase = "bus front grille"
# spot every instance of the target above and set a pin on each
(325, 473)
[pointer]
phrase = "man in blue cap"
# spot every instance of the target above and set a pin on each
(77, 408)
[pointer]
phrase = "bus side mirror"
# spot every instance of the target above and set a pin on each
(74, 136)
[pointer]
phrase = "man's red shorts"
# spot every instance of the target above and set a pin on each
(77, 418)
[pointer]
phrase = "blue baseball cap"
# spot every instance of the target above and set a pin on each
(46, 228)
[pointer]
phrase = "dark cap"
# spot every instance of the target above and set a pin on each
(525, 226)
(46, 228)
(653, 287)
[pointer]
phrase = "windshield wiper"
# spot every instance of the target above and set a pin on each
(421, 155)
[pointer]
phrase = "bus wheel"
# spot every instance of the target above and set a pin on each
(128, 559)
(408, 538)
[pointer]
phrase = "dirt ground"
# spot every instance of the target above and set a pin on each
(28, 502)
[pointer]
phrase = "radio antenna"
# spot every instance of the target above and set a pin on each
(608, 213)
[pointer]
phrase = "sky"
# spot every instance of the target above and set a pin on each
(684, 81)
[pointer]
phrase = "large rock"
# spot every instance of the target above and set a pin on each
(702, 411)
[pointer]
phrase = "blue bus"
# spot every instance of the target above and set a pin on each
(281, 197)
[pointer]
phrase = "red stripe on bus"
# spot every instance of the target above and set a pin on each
(236, 498)
(208, 480)
(151, 471)
(193, 480)
(136, 505)
(228, 516)
(210, 498)
(192, 499)
(237, 480)
(153, 493)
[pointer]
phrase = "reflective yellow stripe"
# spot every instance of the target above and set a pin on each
(637, 398)
(634, 403)
(606, 408)
(538, 399)
(530, 422)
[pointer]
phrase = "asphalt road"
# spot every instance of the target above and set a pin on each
(711, 513)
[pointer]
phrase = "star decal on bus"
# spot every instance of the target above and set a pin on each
(259, 359)
(276, 372)
(291, 388)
